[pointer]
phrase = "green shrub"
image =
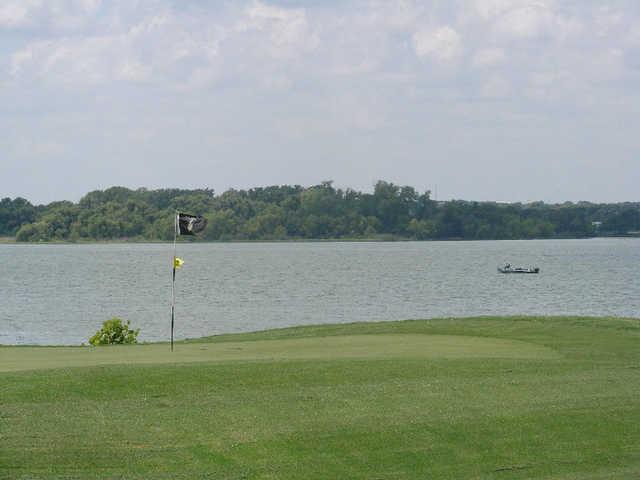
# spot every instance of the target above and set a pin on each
(114, 332)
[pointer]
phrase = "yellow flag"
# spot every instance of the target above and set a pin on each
(177, 262)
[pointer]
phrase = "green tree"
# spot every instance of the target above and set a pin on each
(14, 214)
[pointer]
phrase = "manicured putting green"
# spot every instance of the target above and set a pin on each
(322, 348)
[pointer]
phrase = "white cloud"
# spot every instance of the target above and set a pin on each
(286, 30)
(133, 70)
(607, 21)
(177, 49)
(260, 45)
(28, 146)
(633, 37)
(488, 57)
(91, 60)
(55, 14)
(495, 87)
(160, 48)
(18, 13)
(442, 44)
(71, 14)
(527, 21)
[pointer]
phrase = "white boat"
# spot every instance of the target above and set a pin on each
(509, 269)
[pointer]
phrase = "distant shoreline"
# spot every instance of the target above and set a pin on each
(13, 241)
(293, 213)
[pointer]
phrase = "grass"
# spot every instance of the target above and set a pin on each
(480, 398)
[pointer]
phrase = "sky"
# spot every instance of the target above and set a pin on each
(500, 100)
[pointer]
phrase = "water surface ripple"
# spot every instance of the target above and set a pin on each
(60, 294)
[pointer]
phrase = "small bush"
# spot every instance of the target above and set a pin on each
(114, 332)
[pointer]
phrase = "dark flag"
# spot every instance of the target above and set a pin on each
(184, 224)
(190, 224)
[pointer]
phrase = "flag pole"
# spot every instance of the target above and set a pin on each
(173, 281)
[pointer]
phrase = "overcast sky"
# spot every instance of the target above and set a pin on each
(508, 100)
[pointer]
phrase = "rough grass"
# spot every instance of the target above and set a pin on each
(484, 398)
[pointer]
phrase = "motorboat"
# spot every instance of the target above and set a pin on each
(510, 269)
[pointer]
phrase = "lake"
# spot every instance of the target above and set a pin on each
(60, 294)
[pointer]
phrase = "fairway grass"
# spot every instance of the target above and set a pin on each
(477, 398)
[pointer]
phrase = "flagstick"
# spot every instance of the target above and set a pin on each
(173, 282)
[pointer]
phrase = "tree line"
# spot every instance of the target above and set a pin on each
(317, 212)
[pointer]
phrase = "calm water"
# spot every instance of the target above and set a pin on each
(60, 294)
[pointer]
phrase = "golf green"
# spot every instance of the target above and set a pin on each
(318, 348)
